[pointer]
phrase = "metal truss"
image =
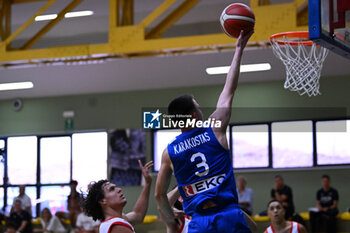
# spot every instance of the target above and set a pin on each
(126, 39)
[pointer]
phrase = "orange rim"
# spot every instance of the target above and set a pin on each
(303, 34)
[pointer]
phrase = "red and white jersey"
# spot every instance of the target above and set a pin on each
(294, 228)
(106, 225)
(184, 227)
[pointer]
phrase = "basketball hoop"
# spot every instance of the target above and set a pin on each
(303, 60)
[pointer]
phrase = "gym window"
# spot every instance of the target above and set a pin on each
(47, 163)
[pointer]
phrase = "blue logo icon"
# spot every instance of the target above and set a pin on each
(151, 120)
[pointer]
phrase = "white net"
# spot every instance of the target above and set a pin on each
(303, 64)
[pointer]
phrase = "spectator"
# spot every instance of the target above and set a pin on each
(245, 196)
(276, 212)
(21, 218)
(73, 203)
(25, 200)
(283, 193)
(50, 223)
(327, 205)
(86, 224)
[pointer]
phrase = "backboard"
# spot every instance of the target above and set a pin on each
(329, 25)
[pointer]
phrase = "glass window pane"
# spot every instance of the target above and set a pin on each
(292, 144)
(89, 157)
(2, 146)
(13, 192)
(55, 157)
(22, 159)
(1, 197)
(250, 146)
(333, 139)
(54, 198)
(161, 140)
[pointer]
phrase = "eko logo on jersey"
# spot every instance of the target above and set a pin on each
(203, 185)
(151, 120)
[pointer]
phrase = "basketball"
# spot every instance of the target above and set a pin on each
(237, 17)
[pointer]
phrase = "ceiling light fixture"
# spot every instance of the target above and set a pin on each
(16, 86)
(78, 14)
(45, 17)
(243, 68)
(67, 15)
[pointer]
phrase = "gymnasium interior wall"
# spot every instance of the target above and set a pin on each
(123, 110)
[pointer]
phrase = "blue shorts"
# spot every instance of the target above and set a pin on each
(228, 220)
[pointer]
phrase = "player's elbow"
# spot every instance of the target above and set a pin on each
(226, 101)
(139, 217)
(159, 195)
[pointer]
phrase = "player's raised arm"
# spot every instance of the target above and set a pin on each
(141, 206)
(250, 221)
(162, 185)
(173, 195)
(224, 105)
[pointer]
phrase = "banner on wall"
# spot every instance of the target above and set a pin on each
(127, 147)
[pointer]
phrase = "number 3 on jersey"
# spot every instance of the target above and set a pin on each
(201, 164)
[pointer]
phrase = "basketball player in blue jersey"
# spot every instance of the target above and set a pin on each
(202, 164)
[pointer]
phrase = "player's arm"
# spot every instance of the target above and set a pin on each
(302, 228)
(250, 221)
(120, 229)
(173, 195)
(244, 203)
(162, 185)
(141, 206)
(224, 105)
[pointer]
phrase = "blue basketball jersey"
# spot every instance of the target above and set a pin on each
(203, 170)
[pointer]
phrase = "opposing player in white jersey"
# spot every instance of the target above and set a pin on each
(275, 211)
(105, 202)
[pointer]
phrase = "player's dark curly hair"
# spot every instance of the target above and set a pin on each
(90, 202)
(274, 200)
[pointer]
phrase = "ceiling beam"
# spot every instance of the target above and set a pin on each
(26, 24)
(51, 24)
(132, 41)
(173, 17)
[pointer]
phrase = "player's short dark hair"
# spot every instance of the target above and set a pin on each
(90, 202)
(268, 204)
(326, 176)
(182, 105)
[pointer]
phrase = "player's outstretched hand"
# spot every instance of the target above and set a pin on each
(145, 171)
(243, 38)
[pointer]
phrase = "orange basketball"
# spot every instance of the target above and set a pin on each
(237, 17)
